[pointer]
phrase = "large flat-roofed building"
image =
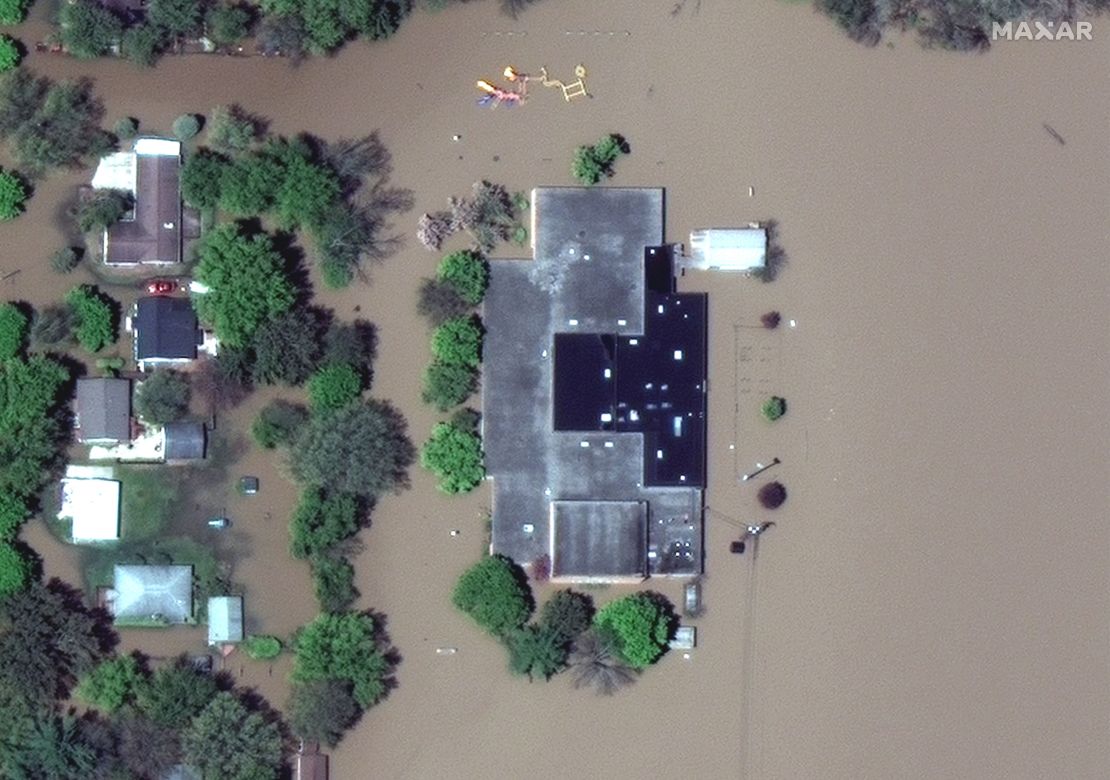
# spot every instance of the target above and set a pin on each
(594, 393)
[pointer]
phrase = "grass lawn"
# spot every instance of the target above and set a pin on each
(150, 495)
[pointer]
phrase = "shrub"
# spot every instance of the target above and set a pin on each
(13, 331)
(494, 592)
(439, 302)
(321, 521)
(162, 397)
(334, 386)
(446, 386)
(52, 326)
(95, 314)
(102, 209)
(773, 408)
(278, 423)
(262, 647)
(455, 456)
(10, 55)
(186, 126)
(13, 195)
(458, 342)
(126, 128)
(639, 625)
(593, 163)
(466, 271)
(333, 580)
(65, 260)
(771, 320)
(772, 495)
(111, 684)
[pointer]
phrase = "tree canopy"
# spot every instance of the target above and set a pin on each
(111, 683)
(247, 282)
(96, 317)
(361, 449)
(639, 626)
(333, 580)
(10, 54)
(454, 454)
(102, 209)
(88, 29)
(278, 423)
(175, 694)
(230, 129)
(343, 647)
(50, 125)
(494, 592)
(567, 614)
(287, 348)
(13, 194)
(202, 177)
(458, 342)
(321, 521)
(536, 651)
(468, 272)
(162, 397)
(13, 11)
(228, 741)
(322, 710)
(447, 385)
(13, 331)
(333, 387)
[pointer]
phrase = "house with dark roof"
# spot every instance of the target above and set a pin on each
(166, 332)
(594, 383)
(151, 233)
(103, 411)
(184, 441)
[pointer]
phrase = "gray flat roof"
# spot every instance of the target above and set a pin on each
(598, 539)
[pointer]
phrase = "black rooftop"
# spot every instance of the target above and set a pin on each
(166, 328)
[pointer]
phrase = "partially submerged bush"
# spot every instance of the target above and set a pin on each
(771, 320)
(278, 423)
(454, 454)
(593, 163)
(186, 126)
(262, 647)
(13, 195)
(772, 495)
(467, 272)
(774, 408)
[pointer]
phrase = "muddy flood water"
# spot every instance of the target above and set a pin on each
(933, 599)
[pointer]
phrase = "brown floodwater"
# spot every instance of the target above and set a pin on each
(932, 601)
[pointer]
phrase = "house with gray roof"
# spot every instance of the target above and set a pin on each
(152, 594)
(103, 411)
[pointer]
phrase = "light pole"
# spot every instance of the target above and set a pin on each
(759, 469)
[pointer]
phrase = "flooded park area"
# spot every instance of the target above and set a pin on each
(932, 599)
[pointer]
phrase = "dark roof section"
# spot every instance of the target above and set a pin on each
(184, 441)
(601, 539)
(104, 410)
(652, 384)
(153, 235)
(166, 328)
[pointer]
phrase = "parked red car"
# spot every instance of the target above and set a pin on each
(161, 287)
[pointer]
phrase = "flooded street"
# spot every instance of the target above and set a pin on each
(932, 601)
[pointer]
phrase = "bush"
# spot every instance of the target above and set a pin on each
(102, 209)
(334, 386)
(467, 272)
(13, 11)
(344, 647)
(10, 54)
(322, 521)
(772, 495)
(13, 331)
(494, 592)
(640, 626)
(126, 128)
(439, 302)
(446, 386)
(262, 647)
(13, 195)
(186, 127)
(278, 423)
(454, 455)
(111, 684)
(333, 580)
(96, 317)
(458, 342)
(162, 397)
(65, 260)
(773, 408)
(230, 129)
(593, 163)
(771, 320)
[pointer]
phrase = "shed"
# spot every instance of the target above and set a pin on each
(103, 411)
(225, 619)
(166, 331)
(184, 441)
(311, 766)
(152, 593)
(729, 249)
(93, 507)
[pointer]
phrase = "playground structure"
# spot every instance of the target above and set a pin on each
(495, 95)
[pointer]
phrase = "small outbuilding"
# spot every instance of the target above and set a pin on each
(103, 411)
(152, 594)
(729, 249)
(184, 441)
(225, 619)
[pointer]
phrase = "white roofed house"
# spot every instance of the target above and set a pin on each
(152, 595)
(91, 502)
(225, 620)
(728, 249)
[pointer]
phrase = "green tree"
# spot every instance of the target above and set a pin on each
(176, 18)
(334, 386)
(126, 128)
(446, 385)
(13, 513)
(283, 34)
(13, 11)
(278, 423)
(247, 283)
(63, 128)
(593, 163)
(322, 24)
(287, 348)
(308, 190)
(228, 741)
(13, 331)
(261, 647)
(466, 271)
(361, 449)
(88, 30)
(102, 209)
(227, 24)
(439, 302)
(229, 129)
(333, 580)
(30, 436)
(321, 710)
(773, 408)
(566, 615)
(454, 454)
(142, 44)
(458, 342)
(186, 126)
(111, 683)
(52, 747)
(162, 397)
(536, 652)
(15, 569)
(175, 694)
(321, 521)
(250, 185)
(96, 316)
(495, 593)
(202, 178)
(21, 94)
(10, 54)
(640, 627)
(344, 647)
(355, 343)
(145, 748)
(13, 195)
